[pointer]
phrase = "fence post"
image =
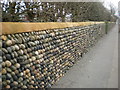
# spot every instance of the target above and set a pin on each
(106, 27)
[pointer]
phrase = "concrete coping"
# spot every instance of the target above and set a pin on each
(19, 27)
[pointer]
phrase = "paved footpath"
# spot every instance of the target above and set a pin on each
(98, 68)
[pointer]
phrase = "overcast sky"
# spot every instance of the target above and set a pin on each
(114, 2)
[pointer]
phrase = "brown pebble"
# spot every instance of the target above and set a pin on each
(8, 81)
(13, 73)
(36, 86)
(15, 83)
(13, 41)
(24, 72)
(3, 37)
(33, 58)
(8, 63)
(30, 86)
(8, 86)
(16, 71)
(17, 65)
(4, 71)
(32, 77)
(9, 42)
(24, 86)
(32, 82)
(16, 47)
(27, 70)
(33, 67)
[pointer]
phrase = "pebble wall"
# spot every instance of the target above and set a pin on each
(38, 59)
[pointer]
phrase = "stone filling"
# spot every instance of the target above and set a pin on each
(38, 59)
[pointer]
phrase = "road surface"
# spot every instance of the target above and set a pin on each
(98, 68)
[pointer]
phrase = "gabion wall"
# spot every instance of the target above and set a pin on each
(38, 59)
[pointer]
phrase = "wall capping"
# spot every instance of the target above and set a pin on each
(19, 27)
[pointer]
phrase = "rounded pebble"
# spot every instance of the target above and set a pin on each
(8, 63)
(17, 65)
(15, 83)
(8, 86)
(3, 37)
(9, 42)
(8, 56)
(4, 71)
(16, 47)
(9, 49)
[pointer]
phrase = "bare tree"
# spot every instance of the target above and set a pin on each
(56, 11)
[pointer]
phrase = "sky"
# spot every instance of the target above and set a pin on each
(114, 2)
